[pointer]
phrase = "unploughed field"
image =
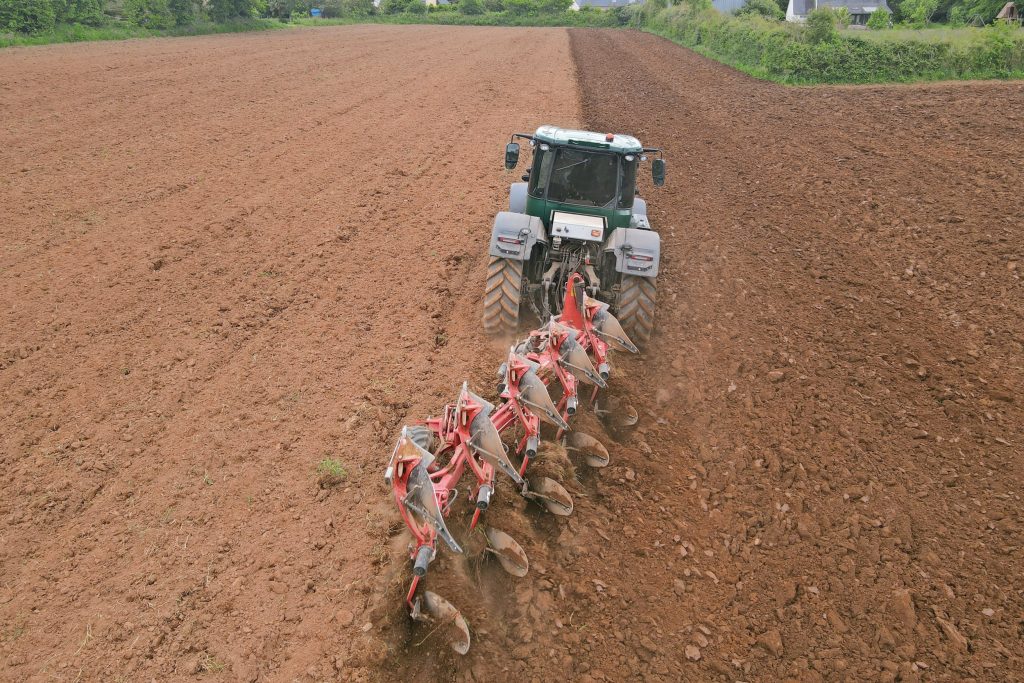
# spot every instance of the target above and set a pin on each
(225, 259)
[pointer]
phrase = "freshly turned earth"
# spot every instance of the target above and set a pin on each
(839, 365)
(225, 259)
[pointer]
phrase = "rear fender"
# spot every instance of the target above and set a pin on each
(514, 235)
(637, 252)
(517, 198)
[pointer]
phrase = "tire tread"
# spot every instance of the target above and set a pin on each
(635, 307)
(502, 295)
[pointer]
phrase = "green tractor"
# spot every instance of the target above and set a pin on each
(576, 211)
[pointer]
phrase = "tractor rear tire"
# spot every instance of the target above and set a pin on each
(635, 307)
(502, 296)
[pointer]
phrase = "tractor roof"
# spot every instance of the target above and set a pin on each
(582, 138)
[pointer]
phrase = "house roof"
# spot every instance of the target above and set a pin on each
(804, 7)
(1009, 11)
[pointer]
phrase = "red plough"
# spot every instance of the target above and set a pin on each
(430, 459)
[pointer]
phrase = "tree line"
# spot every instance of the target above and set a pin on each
(34, 16)
(40, 16)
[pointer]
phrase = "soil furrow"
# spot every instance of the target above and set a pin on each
(833, 366)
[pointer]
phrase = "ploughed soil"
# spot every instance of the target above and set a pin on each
(838, 364)
(224, 260)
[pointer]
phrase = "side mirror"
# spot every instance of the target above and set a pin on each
(658, 172)
(511, 155)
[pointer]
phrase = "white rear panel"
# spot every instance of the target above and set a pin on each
(573, 226)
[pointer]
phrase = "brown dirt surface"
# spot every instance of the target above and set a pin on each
(228, 258)
(222, 260)
(836, 374)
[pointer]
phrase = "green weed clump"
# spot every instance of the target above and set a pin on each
(331, 472)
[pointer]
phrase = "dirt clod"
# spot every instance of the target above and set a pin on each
(771, 641)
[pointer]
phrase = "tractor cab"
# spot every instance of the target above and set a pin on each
(581, 172)
(575, 217)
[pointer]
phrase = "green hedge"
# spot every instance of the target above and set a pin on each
(40, 17)
(454, 18)
(782, 52)
(77, 33)
(35, 22)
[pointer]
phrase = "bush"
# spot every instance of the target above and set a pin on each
(494, 5)
(471, 7)
(918, 13)
(554, 6)
(87, 12)
(183, 11)
(977, 11)
(222, 10)
(27, 16)
(523, 8)
(821, 26)
(768, 9)
(153, 14)
(393, 6)
(520, 8)
(878, 20)
(284, 9)
(331, 8)
(357, 8)
(416, 7)
(630, 15)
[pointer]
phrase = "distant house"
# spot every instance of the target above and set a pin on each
(860, 10)
(601, 4)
